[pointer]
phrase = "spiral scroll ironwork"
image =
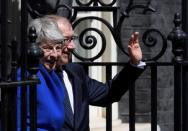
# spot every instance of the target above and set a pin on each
(95, 3)
(126, 14)
(88, 42)
(150, 40)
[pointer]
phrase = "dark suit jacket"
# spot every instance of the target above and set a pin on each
(88, 91)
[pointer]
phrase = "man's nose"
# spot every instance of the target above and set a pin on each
(71, 45)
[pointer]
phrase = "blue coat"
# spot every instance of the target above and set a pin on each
(50, 107)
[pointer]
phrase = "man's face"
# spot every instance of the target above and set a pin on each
(68, 45)
(52, 52)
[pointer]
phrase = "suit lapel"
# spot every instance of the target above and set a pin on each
(77, 91)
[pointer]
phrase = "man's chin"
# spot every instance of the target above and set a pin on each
(65, 60)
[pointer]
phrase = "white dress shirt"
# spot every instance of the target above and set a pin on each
(68, 86)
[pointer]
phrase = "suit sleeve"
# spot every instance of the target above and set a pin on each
(102, 94)
(122, 82)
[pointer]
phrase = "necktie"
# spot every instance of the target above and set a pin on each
(67, 106)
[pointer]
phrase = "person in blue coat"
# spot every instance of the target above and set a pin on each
(84, 91)
(50, 91)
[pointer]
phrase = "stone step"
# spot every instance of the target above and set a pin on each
(125, 127)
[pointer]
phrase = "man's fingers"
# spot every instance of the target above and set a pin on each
(131, 41)
(136, 34)
(134, 39)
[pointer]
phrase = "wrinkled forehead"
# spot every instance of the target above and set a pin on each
(68, 32)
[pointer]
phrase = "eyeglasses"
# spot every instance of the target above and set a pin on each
(50, 48)
(69, 39)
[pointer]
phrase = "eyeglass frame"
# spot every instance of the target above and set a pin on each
(49, 45)
(68, 39)
(59, 42)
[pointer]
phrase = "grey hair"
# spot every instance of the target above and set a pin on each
(47, 29)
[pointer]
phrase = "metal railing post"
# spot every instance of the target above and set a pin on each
(177, 36)
(185, 68)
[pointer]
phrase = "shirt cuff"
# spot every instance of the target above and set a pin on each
(140, 65)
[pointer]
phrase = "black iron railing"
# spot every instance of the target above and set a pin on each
(9, 82)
